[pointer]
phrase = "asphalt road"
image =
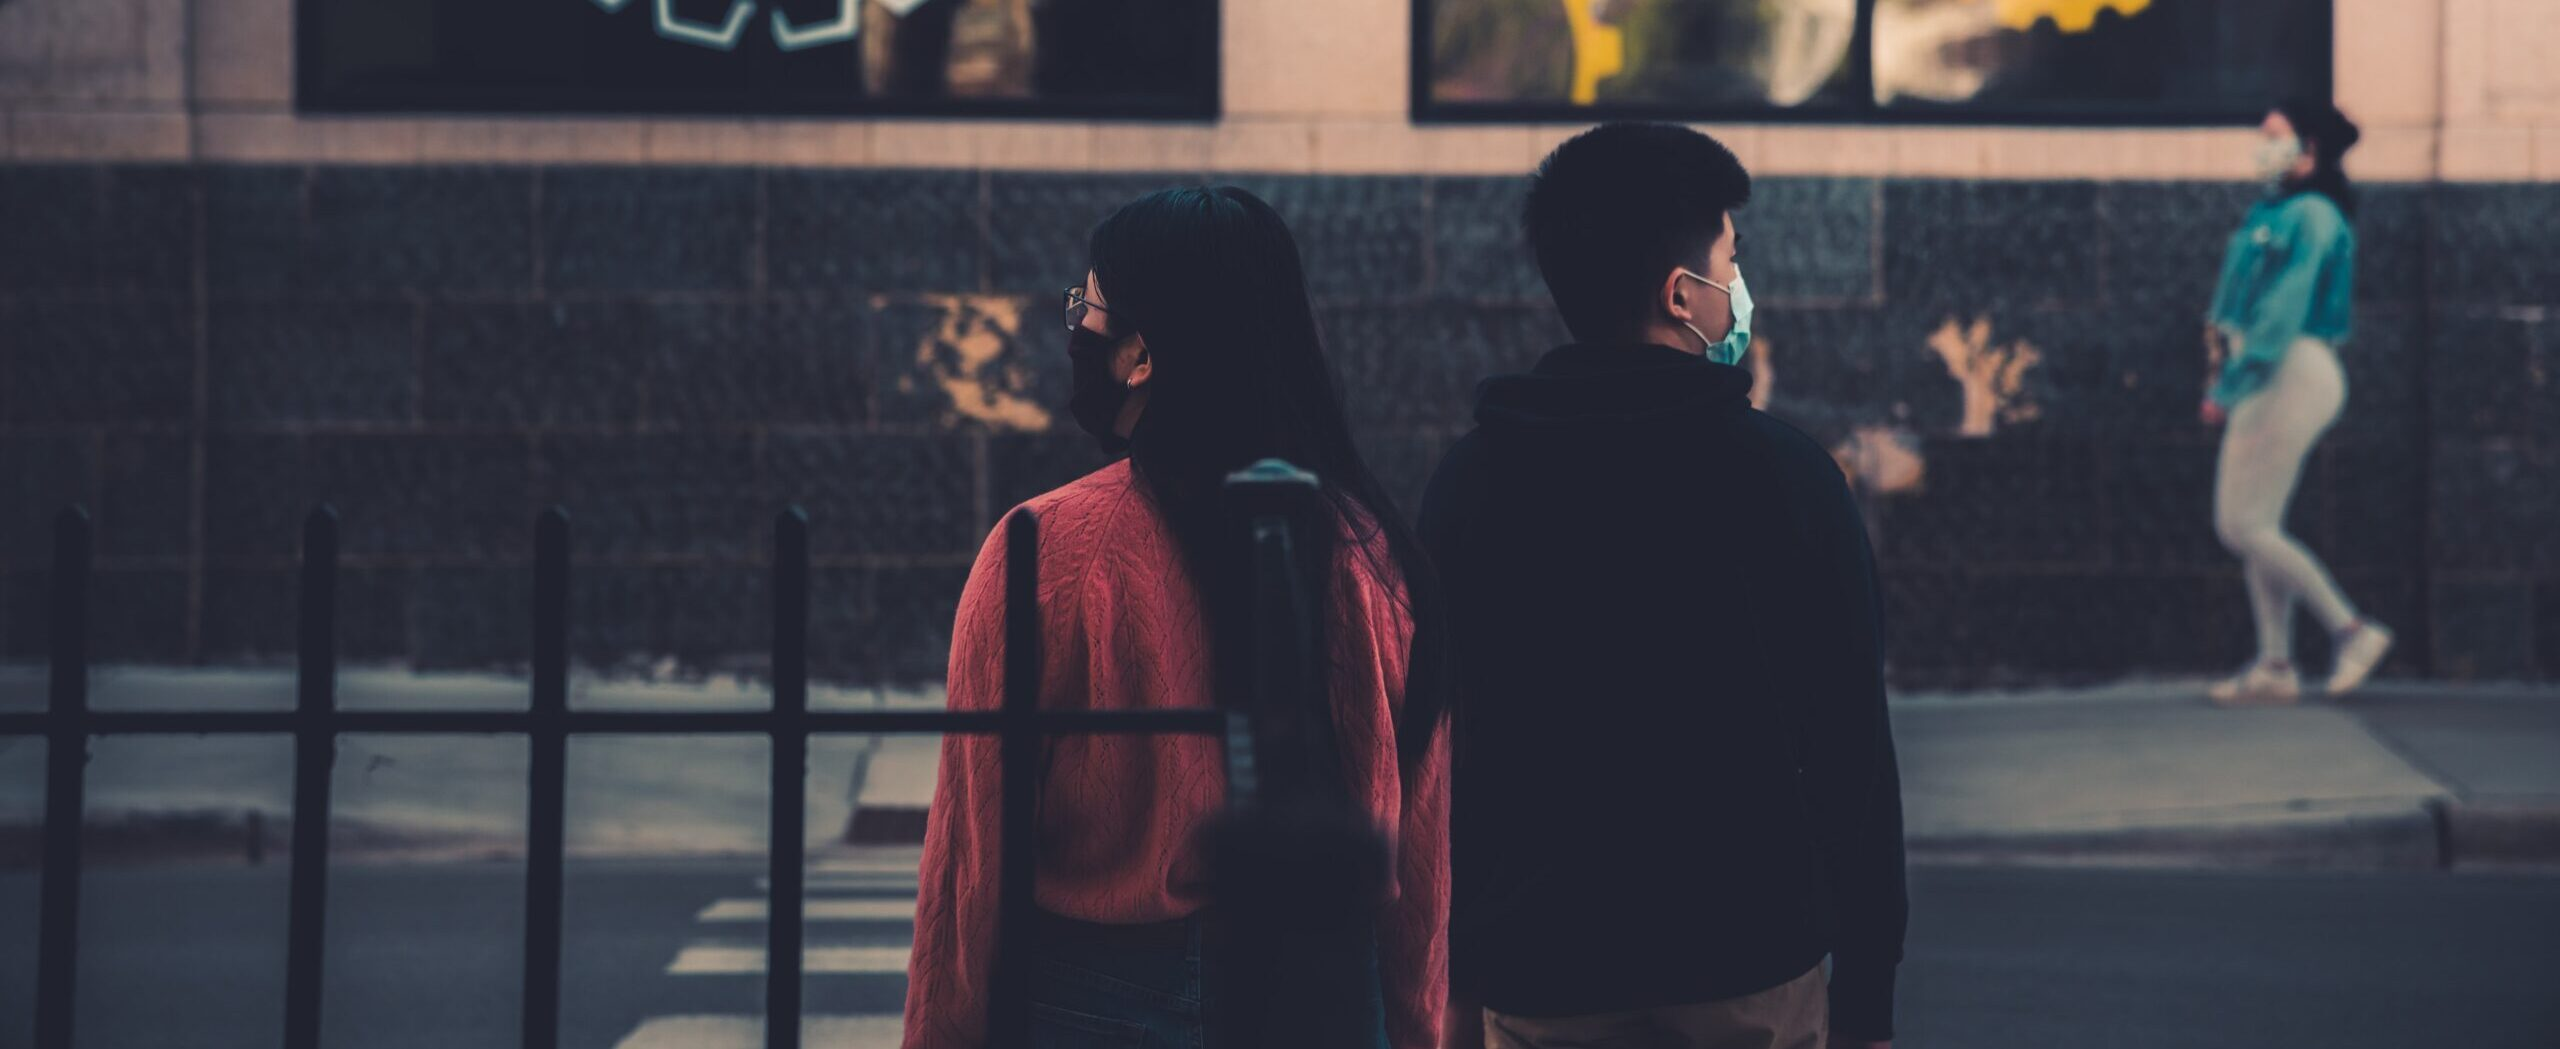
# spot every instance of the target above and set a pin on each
(427, 956)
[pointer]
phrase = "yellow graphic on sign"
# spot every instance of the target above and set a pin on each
(1599, 51)
(2070, 16)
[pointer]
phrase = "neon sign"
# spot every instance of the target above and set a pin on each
(724, 37)
(1010, 59)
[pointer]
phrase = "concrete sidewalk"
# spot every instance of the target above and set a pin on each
(2402, 775)
(2405, 775)
(424, 797)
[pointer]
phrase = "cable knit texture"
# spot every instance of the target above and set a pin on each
(1122, 629)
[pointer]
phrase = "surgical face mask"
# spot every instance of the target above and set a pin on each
(1737, 339)
(2275, 157)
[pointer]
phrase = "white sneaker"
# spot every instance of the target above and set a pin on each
(2260, 685)
(2357, 656)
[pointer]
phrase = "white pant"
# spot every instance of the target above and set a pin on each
(2263, 448)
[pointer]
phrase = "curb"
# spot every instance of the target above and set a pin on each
(2429, 837)
(2437, 835)
(2501, 833)
(247, 837)
(2407, 840)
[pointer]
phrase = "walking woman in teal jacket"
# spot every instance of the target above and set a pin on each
(2278, 316)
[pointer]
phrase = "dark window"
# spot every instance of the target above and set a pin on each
(1940, 61)
(1083, 58)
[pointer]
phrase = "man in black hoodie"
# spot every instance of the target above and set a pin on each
(1675, 790)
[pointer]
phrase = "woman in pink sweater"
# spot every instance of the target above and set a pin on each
(1196, 353)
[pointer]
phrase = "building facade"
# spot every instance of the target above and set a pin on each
(221, 303)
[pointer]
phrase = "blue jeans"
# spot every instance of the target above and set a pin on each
(1124, 986)
(1116, 987)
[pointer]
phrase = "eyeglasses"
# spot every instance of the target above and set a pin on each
(1077, 307)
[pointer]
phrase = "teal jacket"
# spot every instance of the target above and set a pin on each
(2290, 272)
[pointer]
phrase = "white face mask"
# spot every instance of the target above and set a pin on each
(2275, 158)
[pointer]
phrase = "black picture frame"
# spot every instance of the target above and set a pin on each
(1427, 110)
(318, 93)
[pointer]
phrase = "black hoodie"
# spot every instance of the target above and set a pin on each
(1675, 779)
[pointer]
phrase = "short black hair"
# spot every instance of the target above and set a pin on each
(1615, 208)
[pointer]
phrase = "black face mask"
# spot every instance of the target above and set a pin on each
(1098, 398)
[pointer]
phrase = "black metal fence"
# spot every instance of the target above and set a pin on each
(315, 724)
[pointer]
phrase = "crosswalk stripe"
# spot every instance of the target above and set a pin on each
(883, 861)
(878, 869)
(872, 883)
(704, 959)
(832, 909)
(747, 1032)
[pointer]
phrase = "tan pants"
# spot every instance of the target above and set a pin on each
(2263, 449)
(1793, 1015)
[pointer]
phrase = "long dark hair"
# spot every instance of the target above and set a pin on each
(2327, 135)
(1210, 277)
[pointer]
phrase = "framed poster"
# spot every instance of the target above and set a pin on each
(997, 58)
(2077, 62)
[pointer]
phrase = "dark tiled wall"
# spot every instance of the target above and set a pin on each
(200, 354)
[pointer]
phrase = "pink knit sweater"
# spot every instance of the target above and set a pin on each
(1122, 629)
